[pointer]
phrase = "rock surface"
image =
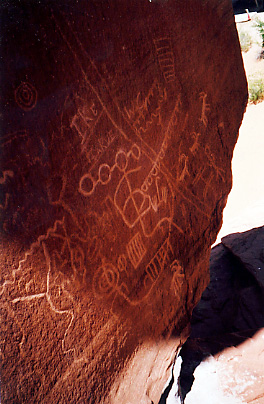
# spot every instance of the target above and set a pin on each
(119, 123)
(230, 315)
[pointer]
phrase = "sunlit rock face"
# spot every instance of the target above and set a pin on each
(119, 123)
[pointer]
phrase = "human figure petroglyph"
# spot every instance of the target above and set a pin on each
(165, 58)
(196, 143)
(211, 159)
(183, 167)
(208, 175)
(178, 278)
(205, 109)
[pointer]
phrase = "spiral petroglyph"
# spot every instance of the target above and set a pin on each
(26, 96)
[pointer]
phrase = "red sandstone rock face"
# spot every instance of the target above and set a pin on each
(119, 126)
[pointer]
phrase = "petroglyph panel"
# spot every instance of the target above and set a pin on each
(115, 168)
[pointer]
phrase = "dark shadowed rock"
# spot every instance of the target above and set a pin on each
(231, 308)
(119, 123)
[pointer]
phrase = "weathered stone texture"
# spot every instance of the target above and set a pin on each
(119, 123)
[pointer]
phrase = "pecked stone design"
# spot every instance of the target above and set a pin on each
(116, 147)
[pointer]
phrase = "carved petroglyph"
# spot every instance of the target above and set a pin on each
(135, 205)
(122, 263)
(195, 145)
(51, 284)
(93, 79)
(136, 250)
(89, 124)
(211, 160)
(144, 112)
(183, 167)
(108, 282)
(154, 172)
(156, 266)
(178, 278)
(26, 96)
(156, 167)
(207, 176)
(134, 184)
(84, 121)
(31, 287)
(5, 195)
(6, 174)
(87, 183)
(101, 144)
(120, 124)
(165, 58)
(69, 311)
(205, 109)
(105, 281)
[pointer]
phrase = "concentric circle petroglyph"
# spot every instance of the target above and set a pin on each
(26, 96)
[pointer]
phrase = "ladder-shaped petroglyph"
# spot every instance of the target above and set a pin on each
(157, 264)
(119, 118)
(94, 81)
(136, 250)
(107, 281)
(165, 58)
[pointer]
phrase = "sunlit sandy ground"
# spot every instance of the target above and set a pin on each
(245, 205)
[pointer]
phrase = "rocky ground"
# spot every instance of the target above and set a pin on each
(235, 375)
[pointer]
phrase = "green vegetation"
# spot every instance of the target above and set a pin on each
(259, 24)
(245, 40)
(256, 88)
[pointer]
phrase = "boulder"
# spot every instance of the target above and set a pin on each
(231, 308)
(119, 121)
